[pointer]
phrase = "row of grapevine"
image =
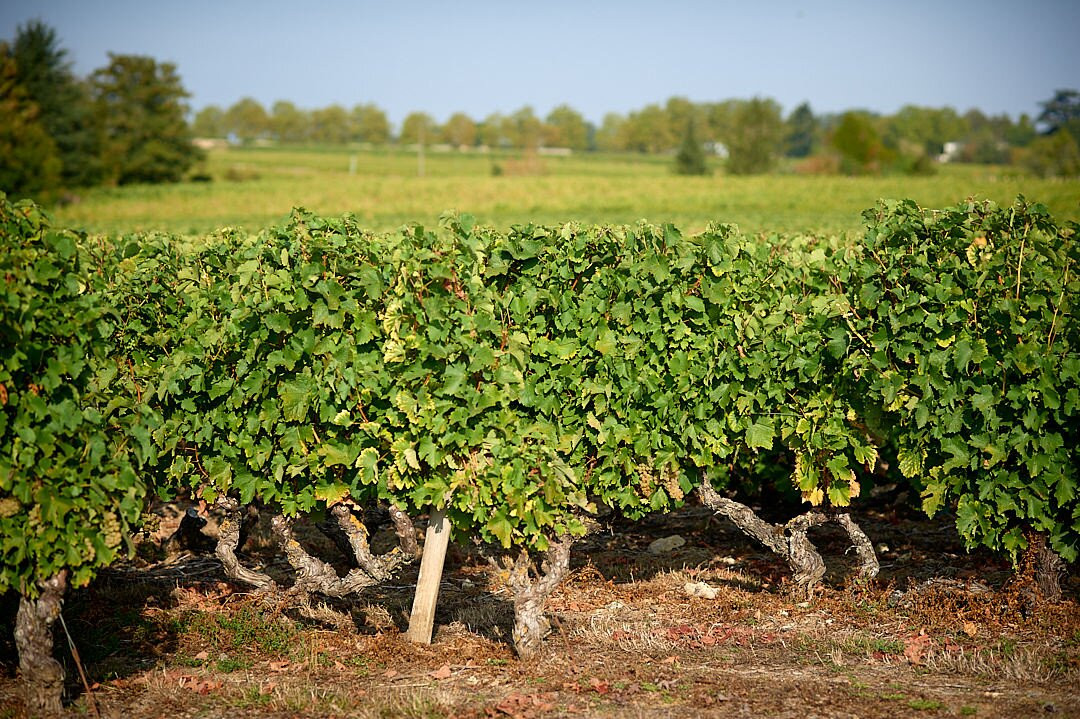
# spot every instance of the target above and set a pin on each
(522, 380)
(963, 347)
(73, 432)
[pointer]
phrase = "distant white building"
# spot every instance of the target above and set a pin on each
(718, 149)
(210, 143)
(949, 151)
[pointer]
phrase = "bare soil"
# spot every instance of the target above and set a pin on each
(940, 632)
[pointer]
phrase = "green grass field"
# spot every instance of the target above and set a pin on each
(256, 187)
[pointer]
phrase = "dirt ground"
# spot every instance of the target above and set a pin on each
(704, 629)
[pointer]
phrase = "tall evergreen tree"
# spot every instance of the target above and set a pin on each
(690, 160)
(42, 69)
(29, 162)
(802, 129)
(1061, 112)
(139, 109)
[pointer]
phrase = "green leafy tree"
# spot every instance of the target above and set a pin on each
(648, 130)
(209, 122)
(611, 135)
(858, 143)
(331, 125)
(524, 129)
(491, 131)
(370, 124)
(29, 161)
(924, 129)
(681, 113)
(1055, 155)
(690, 159)
(288, 123)
(755, 138)
(1061, 112)
(459, 130)
(802, 131)
(566, 128)
(1021, 133)
(418, 128)
(43, 70)
(247, 120)
(989, 138)
(139, 108)
(719, 118)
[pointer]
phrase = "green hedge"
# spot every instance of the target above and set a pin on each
(520, 379)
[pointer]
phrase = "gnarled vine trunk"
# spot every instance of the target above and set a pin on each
(406, 532)
(864, 548)
(788, 540)
(42, 675)
(531, 624)
(315, 575)
(229, 542)
(377, 567)
(1041, 565)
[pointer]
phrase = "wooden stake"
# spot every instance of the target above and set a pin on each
(422, 618)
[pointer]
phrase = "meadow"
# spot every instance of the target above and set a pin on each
(252, 187)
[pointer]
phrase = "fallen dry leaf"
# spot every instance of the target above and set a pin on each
(970, 629)
(521, 706)
(599, 686)
(198, 685)
(442, 672)
(916, 646)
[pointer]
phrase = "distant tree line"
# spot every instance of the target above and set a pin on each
(125, 123)
(128, 122)
(752, 135)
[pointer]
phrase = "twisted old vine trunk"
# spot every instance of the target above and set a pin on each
(42, 674)
(406, 532)
(356, 534)
(790, 540)
(1040, 569)
(315, 575)
(531, 625)
(229, 542)
(864, 548)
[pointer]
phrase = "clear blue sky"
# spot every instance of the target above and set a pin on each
(486, 56)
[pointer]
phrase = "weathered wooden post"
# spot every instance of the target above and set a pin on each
(422, 618)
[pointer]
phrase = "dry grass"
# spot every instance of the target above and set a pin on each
(621, 646)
